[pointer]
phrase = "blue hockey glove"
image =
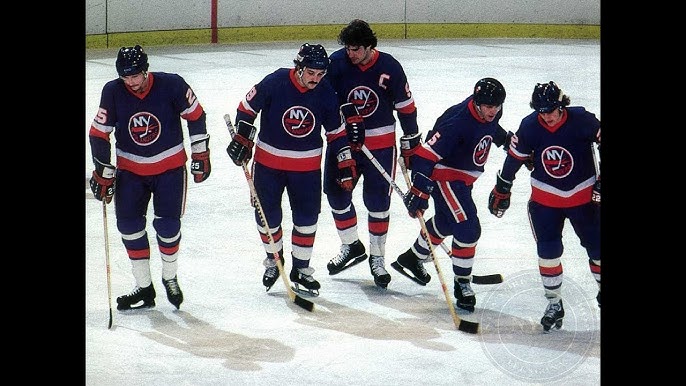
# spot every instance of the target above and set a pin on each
(240, 148)
(499, 199)
(354, 126)
(596, 192)
(408, 146)
(417, 199)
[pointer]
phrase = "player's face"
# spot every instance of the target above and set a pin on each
(137, 83)
(358, 54)
(488, 112)
(310, 77)
(552, 118)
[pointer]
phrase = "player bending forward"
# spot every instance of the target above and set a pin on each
(445, 168)
(559, 140)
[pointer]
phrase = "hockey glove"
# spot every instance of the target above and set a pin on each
(417, 199)
(354, 126)
(529, 162)
(508, 140)
(347, 169)
(102, 181)
(240, 148)
(595, 197)
(499, 199)
(200, 159)
(408, 146)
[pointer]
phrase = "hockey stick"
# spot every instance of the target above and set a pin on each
(495, 278)
(107, 259)
(300, 301)
(462, 325)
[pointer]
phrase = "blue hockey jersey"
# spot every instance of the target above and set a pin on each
(457, 147)
(147, 127)
(564, 165)
(376, 89)
(290, 130)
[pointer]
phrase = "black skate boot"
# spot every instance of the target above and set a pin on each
(303, 277)
(350, 255)
(598, 298)
(377, 266)
(174, 294)
(464, 295)
(408, 261)
(138, 298)
(553, 316)
(271, 273)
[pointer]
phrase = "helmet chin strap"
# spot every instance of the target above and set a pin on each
(300, 71)
(478, 109)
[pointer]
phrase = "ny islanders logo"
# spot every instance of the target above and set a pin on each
(298, 121)
(365, 99)
(144, 128)
(481, 150)
(557, 161)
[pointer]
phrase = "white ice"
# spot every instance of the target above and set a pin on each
(229, 331)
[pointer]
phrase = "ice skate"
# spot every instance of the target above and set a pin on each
(464, 295)
(174, 294)
(378, 269)
(303, 277)
(350, 255)
(598, 299)
(411, 266)
(138, 298)
(271, 272)
(553, 316)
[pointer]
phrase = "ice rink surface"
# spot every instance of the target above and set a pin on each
(229, 331)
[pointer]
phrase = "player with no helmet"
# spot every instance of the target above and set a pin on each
(374, 86)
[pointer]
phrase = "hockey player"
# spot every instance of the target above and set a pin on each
(445, 167)
(375, 83)
(144, 110)
(295, 104)
(564, 185)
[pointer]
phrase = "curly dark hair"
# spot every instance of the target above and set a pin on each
(357, 33)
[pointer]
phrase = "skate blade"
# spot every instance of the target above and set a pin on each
(465, 307)
(401, 269)
(138, 307)
(555, 326)
(351, 263)
(304, 291)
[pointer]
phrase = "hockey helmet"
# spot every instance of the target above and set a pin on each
(312, 56)
(547, 97)
(489, 91)
(131, 61)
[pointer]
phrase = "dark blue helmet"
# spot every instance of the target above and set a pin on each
(489, 91)
(312, 56)
(547, 97)
(131, 61)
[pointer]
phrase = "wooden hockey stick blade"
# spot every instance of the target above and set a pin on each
(109, 326)
(468, 327)
(495, 278)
